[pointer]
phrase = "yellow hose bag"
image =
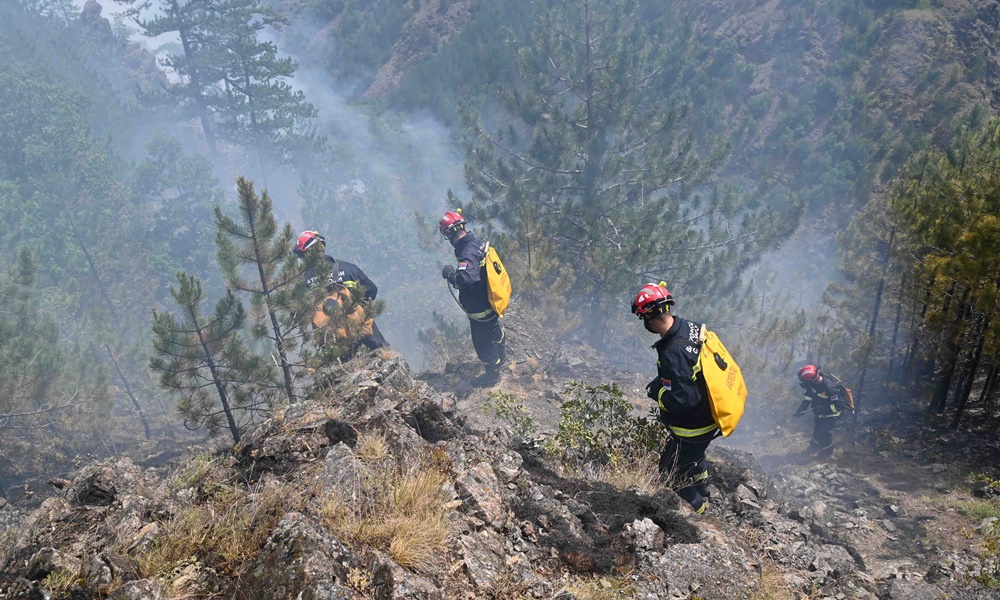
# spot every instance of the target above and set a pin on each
(727, 392)
(498, 287)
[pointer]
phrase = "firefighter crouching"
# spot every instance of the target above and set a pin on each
(822, 396)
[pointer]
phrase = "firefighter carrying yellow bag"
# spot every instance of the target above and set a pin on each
(332, 303)
(727, 392)
(498, 287)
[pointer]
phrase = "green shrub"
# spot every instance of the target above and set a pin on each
(514, 416)
(597, 425)
(989, 575)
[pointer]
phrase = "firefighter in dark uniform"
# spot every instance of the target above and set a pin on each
(487, 333)
(823, 397)
(343, 273)
(679, 391)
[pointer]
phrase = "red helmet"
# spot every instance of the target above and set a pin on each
(451, 221)
(653, 299)
(809, 373)
(307, 240)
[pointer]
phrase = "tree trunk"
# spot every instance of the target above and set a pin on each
(279, 340)
(970, 377)
(987, 385)
(989, 394)
(128, 390)
(111, 310)
(216, 378)
(895, 337)
(196, 84)
(952, 348)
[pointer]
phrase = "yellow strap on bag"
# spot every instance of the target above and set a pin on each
(498, 288)
(727, 391)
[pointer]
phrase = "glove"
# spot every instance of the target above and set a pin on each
(447, 272)
(653, 389)
(802, 409)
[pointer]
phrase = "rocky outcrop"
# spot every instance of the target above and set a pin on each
(516, 528)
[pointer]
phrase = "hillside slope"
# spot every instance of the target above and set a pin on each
(369, 490)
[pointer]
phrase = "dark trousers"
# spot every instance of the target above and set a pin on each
(488, 339)
(375, 340)
(683, 459)
(823, 432)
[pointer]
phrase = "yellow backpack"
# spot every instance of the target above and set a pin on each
(727, 392)
(498, 287)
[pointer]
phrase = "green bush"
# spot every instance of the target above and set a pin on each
(597, 425)
(516, 418)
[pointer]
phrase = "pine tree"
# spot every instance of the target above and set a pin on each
(177, 192)
(195, 353)
(44, 382)
(927, 247)
(192, 21)
(257, 107)
(597, 177)
(256, 258)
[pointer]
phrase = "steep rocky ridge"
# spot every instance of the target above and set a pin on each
(515, 528)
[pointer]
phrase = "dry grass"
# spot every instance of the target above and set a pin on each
(617, 587)
(508, 586)
(772, 586)
(624, 475)
(192, 471)
(59, 582)
(7, 538)
(399, 511)
(386, 354)
(227, 530)
(372, 447)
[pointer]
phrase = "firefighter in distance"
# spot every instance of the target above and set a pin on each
(823, 398)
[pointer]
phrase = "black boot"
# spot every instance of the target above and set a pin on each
(488, 379)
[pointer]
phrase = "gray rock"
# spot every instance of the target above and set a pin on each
(715, 568)
(302, 560)
(912, 589)
(894, 569)
(142, 589)
(833, 561)
(509, 466)
(643, 535)
(341, 467)
(745, 494)
(893, 511)
(479, 487)
(47, 560)
(482, 556)
(96, 574)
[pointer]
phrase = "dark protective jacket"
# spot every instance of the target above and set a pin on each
(682, 395)
(823, 397)
(468, 278)
(348, 274)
